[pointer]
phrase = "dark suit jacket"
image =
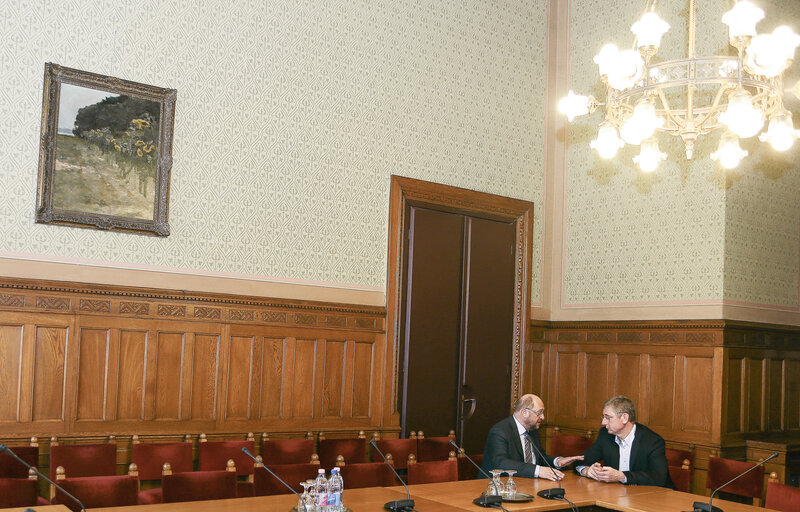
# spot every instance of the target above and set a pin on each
(648, 458)
(504, 449)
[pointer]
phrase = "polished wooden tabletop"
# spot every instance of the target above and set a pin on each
(672, 501)
(38, 508)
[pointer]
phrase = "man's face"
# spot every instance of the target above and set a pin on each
(533, 416)
(613, 422)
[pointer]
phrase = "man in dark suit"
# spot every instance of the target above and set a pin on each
(632, 454)
(511, 443)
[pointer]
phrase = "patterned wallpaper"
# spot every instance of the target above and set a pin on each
(291, 116)
(680, 236)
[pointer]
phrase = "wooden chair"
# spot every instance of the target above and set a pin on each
(564, 445)
(781, 497)
(11, 468)
(265, 484)
(20, 492)
(749, 486)
(434, 448)
(199, 485)
(368, 474)
(399, 449)
(286, 451)
(681, 476)
(676, 457)
(433, 471)
(83, 460)
(214, 456)
(467, 470)
(96, 491)
(353, 450)
(150, 459)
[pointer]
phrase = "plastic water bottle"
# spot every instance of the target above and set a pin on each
(321, 489)
(335, 490)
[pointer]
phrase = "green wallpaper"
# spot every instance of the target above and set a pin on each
(291, 116)
(680, 236)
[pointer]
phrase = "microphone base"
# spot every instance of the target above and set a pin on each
(702, 506)
(488, 501)
(400, 505)
(556, 493)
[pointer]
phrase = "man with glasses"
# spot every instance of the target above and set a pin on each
(631, 453)
(513, 443)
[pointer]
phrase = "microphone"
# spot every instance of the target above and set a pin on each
(299, 498)
(482, 500)
(405, 505)
(554, 493)
(701, 506)
(4, 448)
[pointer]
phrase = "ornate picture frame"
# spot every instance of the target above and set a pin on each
(105, 154)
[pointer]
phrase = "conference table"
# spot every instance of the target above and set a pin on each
(585, 493)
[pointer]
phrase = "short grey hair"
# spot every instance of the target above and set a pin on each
(524, 402)
(622, 404)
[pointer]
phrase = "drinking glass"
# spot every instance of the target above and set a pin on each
(511, 485)
(495, 484)
(307, 497)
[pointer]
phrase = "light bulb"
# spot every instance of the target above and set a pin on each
(649, 30)
(626, 70)
(646, 118)
(742, 20)
(729, 153)
(607, 142)
(649, 156)
(780, 133)
(607, 58)
(741, 117)
(630, 132)
(770, 54)
(573, 105)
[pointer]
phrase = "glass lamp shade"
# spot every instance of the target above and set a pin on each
(627, 70)
(649, 156)
(649, 30)
(780, 133)
(741, 117)
(770, 54)
(606, 60)
(607, 142)
(742, 19)
(573, 105)
(642, 124)
(729, 153)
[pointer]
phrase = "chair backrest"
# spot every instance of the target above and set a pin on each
(681, 477)
(399, 448)
(721, 470)
(467, 470)
(11, 468)
(80, 460)
(432, 472)
(98, 491)
(150, 458)
(287, 451)
(198, 486)
(214, 456)
(18, 492)
(353, 451)
(675, 457)
(563, 445)
(368, 474)
(782, 497)
(433, 448)
(266, 485)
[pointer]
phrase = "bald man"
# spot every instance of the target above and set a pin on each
(511, 443)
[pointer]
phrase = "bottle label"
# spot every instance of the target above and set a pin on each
(322, 500)
(335, 499)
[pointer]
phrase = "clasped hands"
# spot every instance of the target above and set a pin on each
(603, 473)
(554, 474)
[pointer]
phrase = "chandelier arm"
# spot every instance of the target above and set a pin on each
(669, 112)
(713, 110)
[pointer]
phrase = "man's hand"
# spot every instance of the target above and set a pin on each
(592, 471)
(609, 474)
(566, 461)
(550, 474)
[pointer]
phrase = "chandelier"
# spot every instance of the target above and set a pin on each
(694, 96)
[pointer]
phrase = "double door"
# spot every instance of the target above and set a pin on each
(457, 324)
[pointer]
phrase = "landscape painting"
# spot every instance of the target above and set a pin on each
(106, 152)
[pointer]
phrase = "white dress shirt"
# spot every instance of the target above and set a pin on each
(625, 446)
(523, 434)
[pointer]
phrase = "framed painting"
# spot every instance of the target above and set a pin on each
(105, 154)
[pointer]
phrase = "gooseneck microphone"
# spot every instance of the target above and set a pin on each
(299, 498)
(405, 505)
(701, 506)
(482, 500)
(4, 448)
(554, 493)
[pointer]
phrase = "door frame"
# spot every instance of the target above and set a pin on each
(407, 192)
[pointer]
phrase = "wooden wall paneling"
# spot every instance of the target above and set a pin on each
(535, 370)
(333, 374)
(348, 379)
(276, 383)
(734, 393)
(256, 377)
(567, 381)
(169, 369)
(51, 388)
(597, 370)
(303, 375)
(131, 374)
(242, 364)
(628, 375)
(204, 386)
(11, 337)
(697, 410)
(93, 364)
(792, 392)
(661, 392)
(774, 402)
(363, 383)
(754, 410)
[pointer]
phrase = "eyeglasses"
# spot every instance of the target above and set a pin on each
(539, 413)
(609, 417)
